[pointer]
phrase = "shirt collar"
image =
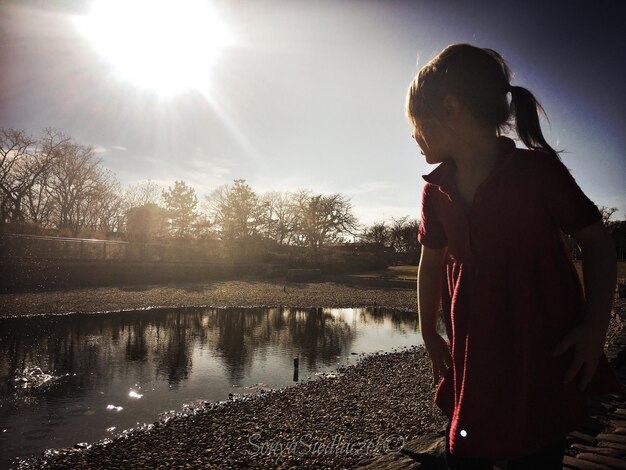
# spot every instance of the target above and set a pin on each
(442, 175)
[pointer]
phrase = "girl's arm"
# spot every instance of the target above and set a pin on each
(599, 272)
(600, 278)
(432, 237)
(429, 276)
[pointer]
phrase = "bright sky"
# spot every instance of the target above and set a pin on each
(304, 94)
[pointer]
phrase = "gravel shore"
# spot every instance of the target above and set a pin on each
(370, 408)
(216, 294)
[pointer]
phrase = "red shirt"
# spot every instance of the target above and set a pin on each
(510, 294)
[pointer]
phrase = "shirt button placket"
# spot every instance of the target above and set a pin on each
(472, 221)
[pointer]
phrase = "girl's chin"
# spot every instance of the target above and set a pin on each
(432, 160)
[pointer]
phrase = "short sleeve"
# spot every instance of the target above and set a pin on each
(430, 232)
(567, 205)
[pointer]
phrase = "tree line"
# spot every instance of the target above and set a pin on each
(54, 185)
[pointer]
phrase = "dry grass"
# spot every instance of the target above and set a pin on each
(410, 272)
(404, 272)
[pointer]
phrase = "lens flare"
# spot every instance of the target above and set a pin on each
(168, 46)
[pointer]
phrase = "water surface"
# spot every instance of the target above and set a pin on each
(75, 378)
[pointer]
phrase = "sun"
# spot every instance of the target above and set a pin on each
(165, 45)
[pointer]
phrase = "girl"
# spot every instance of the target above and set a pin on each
(525, 349)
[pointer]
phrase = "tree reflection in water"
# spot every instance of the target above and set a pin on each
(97, 358)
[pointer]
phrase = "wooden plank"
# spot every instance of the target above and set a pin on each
(579, 436)
(580, 464)
(614, 445)
(592, 427)
(611, 437)
(618, 396)
(602, 406)
(599, 450)
(619, 464)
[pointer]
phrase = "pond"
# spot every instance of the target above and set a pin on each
(75, 378)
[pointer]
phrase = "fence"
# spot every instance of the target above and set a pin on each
(42, 247)
(30, 262)
(36, 247)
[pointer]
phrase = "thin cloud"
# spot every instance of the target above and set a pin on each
(98, 148)
(369, 187)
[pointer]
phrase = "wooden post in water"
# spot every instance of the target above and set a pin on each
(295, 368)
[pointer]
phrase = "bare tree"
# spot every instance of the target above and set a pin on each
(280, 220)
(37, 204)
(378, 233)
(102, 206)
(404, 235)
(323, 218)
(141, 194)
(24, 163)
(606, 212)
(74, 180)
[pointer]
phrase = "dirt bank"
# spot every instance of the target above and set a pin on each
(218, 293)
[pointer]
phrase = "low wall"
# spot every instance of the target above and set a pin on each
(44, 275)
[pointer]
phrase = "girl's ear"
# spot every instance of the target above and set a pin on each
(451, 106)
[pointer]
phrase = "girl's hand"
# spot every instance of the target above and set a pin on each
(440, 356)
(588, 343)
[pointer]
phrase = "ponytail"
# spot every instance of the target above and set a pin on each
(524, 107)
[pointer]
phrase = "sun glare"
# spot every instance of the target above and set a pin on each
(168, 46)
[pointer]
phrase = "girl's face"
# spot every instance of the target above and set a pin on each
(431, 139)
